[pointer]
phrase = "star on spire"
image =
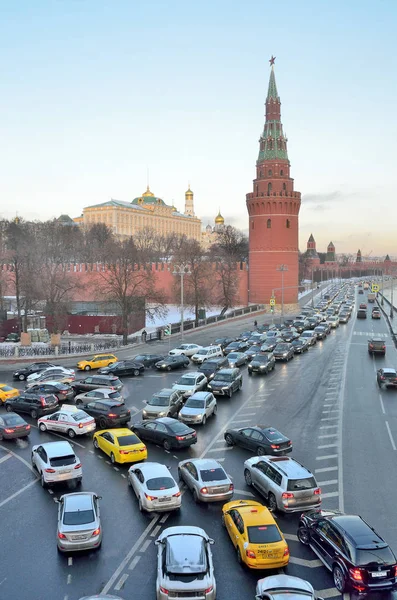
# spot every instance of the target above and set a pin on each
(272, 60)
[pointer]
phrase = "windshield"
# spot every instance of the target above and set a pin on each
(233, 355)
(203, 351)
(261, 359)
(209, 365)
(128, 440)
(160, 483)
(159, 401)
(194, 403)
(263, 534)
(187, 380)
(78, 517)
(217, 474)
(282, 347)
(6, 388)
(223, 377)
(114, 395)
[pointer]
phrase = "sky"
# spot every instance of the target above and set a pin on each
(96, 94)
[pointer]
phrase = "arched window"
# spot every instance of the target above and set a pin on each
(284, 186)
(260, 174)
(270, 172)
(288, 224)
(281, 172)
(269, 223)
(269, 188)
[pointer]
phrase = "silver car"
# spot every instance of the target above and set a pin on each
(207, 479)
(184, 564)
(185, 349)
(154, 487)
(98, 394)
(190, 383)
(79, 522)
(284, 586)
(198, 408)
(237, 359)
(310, 336)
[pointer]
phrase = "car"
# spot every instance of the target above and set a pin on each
(236, 359)
(320, 332)
(225, 382)
(7, 392)
(344, 317)
(359, 559)
(252, 351)
(120, 444)
(206, 478)
(92, 382)
(376, 346)
(300, 325)
(333, 321)
(245, 335)
(277, 587)
(271, 335)
(184, 564)
(96, 362)
(270, 344)
(238, 346)
(51, 373)
(168, 432)
(310, 336)
(154, 487)
(63, 391)
(210, 367)
(12, 426)
(185, 350)
(198, 408)
(300, 345)
(207, 353)
(283, 351)
(123, 368)
(22, 373)
(99, 394)
(223, 342)
(261, 439)
(56, 462)
(148, 360)
(289, 335)
(361, 314)
(262, 364)
(376, 313)
(326, 326)
(69, 420)
(33, 404)
(13, 337)
(169, 363)
(165, 403)
(79, 522)
(255, 534)
(361, 291)
(363, 306)
(107, 413)
(286, 484)
(190, 383)
(386, 378)
(256, 339)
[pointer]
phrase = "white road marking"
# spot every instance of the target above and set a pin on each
(146, 544)
(325, 469)
(155, 531)
(241, 421)
(329, 419)
(328, 435)
(220, 459)
(328, 482)
(221, 449)
(382, 405)
(122, 475)
(333, 410)
(330, 495)
(311, 564)
(121, 582)
(291, 536)
(69, 579)
(244, 493)
(327, 457)
(327, 593)
(50, 491)
(390, 436)
(70, 561)
(6, 457)
(135, 560)
(25, 487)
(116, 468)
(248, 414)
(91, 451)
(15, 455)
(327, 446)
(328, 426)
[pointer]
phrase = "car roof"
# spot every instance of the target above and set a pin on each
(200, 395)
(377, 340)
(225, 372)
(358, 530)
(285, 583)
(101, 390)
(153, 469)
(253, 512)
(288, 466)
(54, 449)
(205, 463)
(78, 501)
(166, 420)
(165, 392)
(104, 377)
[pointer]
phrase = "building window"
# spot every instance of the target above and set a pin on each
(257, 190)
(269, 188)
(284, 186)
(270, 172)
(260, 173)
(288, 224)
(269, 223)
(281, 172)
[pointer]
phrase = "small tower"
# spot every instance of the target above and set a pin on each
(359, 257)
(219, 221)
(189, 208)
(330, 257)
(311, 251)
(387, 265)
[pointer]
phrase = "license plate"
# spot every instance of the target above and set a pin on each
(165, 499)
(78, 537)
(379, 574)
(65, 471)
(187, 437)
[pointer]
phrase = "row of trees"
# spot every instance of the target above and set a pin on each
(40, 254)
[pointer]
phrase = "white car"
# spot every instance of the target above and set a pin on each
(333, 321)
(69, 419)
(207, 353)
(98, 394)
(56, 462)
(54, 372)
(185, 350)
(276, 586)
(198, 408)
(154, 487)
(190, 383)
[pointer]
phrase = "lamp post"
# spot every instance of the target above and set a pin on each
(391, 298)
(312, 290)
(181, 270)
(282, 269)
(382, 290)
(321, 283)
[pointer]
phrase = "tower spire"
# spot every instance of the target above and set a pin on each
(273, 141)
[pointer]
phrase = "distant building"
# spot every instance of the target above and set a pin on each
(209, 235)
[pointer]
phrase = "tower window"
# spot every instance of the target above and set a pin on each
(257, 190)
(270, 172)
(260, 174)
(284, 186)
(281, 172)
(269, 223)
(269, 188)
(288, 224)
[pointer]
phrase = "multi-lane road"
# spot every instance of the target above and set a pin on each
(327, 401)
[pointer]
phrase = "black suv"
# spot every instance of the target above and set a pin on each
(92, 382)
(36, 405)
(123, 367)
(62, 391)
(24, 372)
(357, 556)
(148, 360)
(225, 382)
(376, 346)
(210, 367)
(107, 413)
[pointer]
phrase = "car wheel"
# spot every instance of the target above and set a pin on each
(339, 579)
(166, 445)
(21, 377)
(102, 423)
(239, 559)
(95, 442)
(248, 478)
(303, 536)
(87, 368)
(42, 427)
(261, 451)
(215, 410)
(203, 422)
(136, 372)
(272, 502)
(195, 496)
(168, 368)
(112, 458)
(8, 407)
(71, 433)
(33, 414)
(229, 440)
(43, 481)
(78, 402)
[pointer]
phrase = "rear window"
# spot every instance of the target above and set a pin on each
(12, 420)
(49, 399)
(213, 474)
(295, 485)
(178, 427)
(79, 415)
(365, 556)
(128, 440)
(78, 517)
(263, 534)
(62, 461)
(273, 434)
(115, 395)
(160, 483)
(390, 375)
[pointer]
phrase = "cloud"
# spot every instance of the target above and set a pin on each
(323, 198)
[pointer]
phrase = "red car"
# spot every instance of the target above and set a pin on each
(363, 305)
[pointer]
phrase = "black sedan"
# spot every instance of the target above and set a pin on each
(283, 351)
(63, 391)
(13, 426)
(168, 432)
(270, 344)
(259, 439)
(245, 335)
(252, 351)
(24, 372)
(172, 362)
(236, 347)
(225, 382)
(262, 364)
(300, 345)
(123, 367)
(107, 413)
(289, 335)
(147, 360)
(223, 342)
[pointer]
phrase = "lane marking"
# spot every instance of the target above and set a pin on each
(69, 579)
(328, 435)
(248, 414)
(135, 561)
(146, 545)
(70, 561)
(165, 517)
(382, 405)
(155, 531)
(325, 469)
(330, 495)
(4, 458)
(327, 446)
(241, 421)
(221, 449)
(291, 536)
(329, 419)
(327, 457)
(116, 468)
(311, 564)
(328, 482)
(25, 487)
(328, 593)
(15, 455)
(333, 410)
(328, 426)
(122, 475)
(121, 582)
(390, 436)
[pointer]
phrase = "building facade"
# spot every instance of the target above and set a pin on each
(273, 209)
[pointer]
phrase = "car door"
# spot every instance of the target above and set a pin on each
(149, 431)
(201, 382)
(137, 480)
(243, 437)
(161, 433)
(190, 475)
(210, 404)
(85, 384)
(40, 459)
(63, 422)
(94, 409)
(53, 422)
(107, 442)
(322, 536)
(257, 439)
(175, 405)
(233, 525)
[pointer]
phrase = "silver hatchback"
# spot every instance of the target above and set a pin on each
(207, 480)
(198, 408)
(79, 523)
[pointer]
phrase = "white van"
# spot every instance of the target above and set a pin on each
(206, 354)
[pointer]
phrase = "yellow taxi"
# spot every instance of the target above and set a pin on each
(255, 534)
(97, 362)
(121, 445)
(7, 392)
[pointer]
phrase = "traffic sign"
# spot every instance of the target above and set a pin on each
(167, 330)
(272, 302)
(375, 287)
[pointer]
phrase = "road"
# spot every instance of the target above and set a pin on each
(326, 401)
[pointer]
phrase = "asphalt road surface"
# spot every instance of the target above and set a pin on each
(327, 401)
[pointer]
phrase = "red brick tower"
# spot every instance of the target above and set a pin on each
(312, 258)
(273, 209)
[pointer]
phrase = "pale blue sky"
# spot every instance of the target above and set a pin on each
(94, 92)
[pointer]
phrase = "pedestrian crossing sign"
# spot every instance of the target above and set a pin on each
(375, 287)
(272, 301)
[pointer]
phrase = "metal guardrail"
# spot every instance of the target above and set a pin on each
(393, 334)
(12, 351)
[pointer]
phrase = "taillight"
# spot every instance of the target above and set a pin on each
(163, 590)
(27, 427)
(78, 466)
(204, 490)
(231, 487)
(395, 570)
(250, 554)
(208, 590)
(50, 471)
(61, 536)
(176, 495)
(274, 446)
(356, 574)
(151, 497)
(9, 430)
(112, 388)
(287, 495)
(289, 443)
(80, 425)
(42, 401)
(180, 437)
(317, 492)
(112, 415)
(96, 532)
(286, 551)
(371, 346)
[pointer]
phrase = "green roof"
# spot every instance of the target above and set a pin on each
(272, 89)
(273, 143)
(65, 219)
(148, 200)
(112, 202)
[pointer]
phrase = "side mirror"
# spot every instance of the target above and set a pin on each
(211, 541)
(146, 401)
(56, 501)
(158, 542)
(98, 497)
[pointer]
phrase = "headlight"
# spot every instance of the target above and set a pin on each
(262, 367)
(225, 387)
(162, 414)
(285, 353)
(163, 365)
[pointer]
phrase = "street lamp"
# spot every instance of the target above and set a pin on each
(181, 270)
(312, 290)
(282, 269)
(391, 298)
(381, 301)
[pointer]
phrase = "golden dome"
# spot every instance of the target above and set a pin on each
(189, 193)
(219, 220)
(148, 192)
